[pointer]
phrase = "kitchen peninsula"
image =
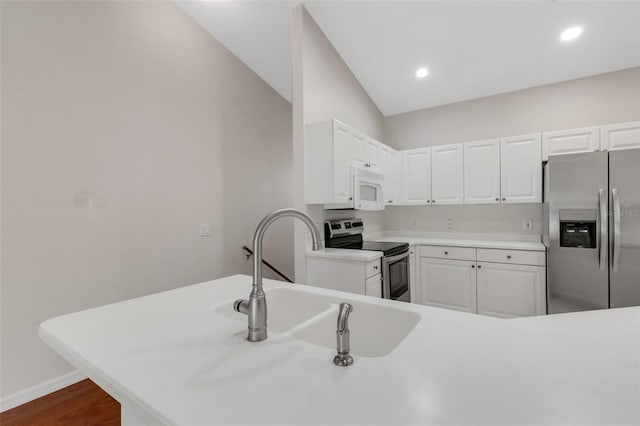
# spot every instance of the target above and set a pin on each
(180, 357)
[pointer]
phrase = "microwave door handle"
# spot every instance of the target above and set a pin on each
(603, 228)
(615, 194)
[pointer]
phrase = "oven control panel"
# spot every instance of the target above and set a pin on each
(338, 227)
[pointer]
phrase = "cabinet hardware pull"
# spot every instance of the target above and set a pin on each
(479, 266)
(508, 256)
(497, 198)
(473, 266)
(375, 267)
(350, 198)
(504, 199)
(433, 201)
(446, 252)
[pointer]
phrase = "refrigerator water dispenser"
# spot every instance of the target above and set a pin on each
(578, 228)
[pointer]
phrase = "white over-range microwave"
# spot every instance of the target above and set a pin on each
(367, 192)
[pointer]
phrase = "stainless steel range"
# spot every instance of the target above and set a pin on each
(347, 234)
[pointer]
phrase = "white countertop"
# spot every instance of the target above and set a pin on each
(461, 241)
(179, 357)
(345, 254)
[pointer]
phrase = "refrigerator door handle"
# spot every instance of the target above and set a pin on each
(616, 228)
(604, 219)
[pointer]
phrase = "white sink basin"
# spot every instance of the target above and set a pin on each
(375, 330)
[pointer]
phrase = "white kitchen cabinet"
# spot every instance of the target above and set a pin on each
(507, 290)
(415, 182)
(448, 283)
(620, 136)
(344, 274)
(447, 174)
(482, 172)
(358, 143)
(373, 151)
(327, 161)
(570, 141)
(373, 286)
(388, 164)
(521, 169)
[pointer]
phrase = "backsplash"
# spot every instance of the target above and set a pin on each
(503, 219)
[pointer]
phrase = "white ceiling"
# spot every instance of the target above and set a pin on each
(472, 49)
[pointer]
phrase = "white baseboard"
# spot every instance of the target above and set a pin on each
(42, 389)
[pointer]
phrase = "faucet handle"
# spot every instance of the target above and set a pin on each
(343, 358)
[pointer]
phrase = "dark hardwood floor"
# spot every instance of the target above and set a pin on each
(82, 403)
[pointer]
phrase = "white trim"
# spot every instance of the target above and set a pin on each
(42, 389)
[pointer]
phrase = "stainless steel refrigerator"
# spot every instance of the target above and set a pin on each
(592, 230)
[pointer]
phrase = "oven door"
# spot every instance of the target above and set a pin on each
(395, 277)
(367, 194)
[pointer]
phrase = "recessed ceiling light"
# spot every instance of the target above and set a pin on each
(571, 34)
(422, 72)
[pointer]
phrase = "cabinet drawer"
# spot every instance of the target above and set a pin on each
(372, 268)
(444, 252)
(520, 257)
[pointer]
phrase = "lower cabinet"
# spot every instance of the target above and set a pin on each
(350, 275)
(448, 284)
(511, 290)
(373, 286)
(493, 288)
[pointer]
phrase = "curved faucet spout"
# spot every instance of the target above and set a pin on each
(256, 306)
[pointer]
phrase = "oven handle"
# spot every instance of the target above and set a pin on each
(390, 259)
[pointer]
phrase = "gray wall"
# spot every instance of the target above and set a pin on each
(602, 99)
(324, 88)
(125, 126)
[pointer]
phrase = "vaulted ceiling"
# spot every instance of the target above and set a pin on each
(471, 48)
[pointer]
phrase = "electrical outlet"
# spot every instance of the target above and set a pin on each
(449, 224)
(527, 225)
(205, 230)
(413, 223)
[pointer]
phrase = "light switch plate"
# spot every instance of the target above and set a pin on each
(205, 230)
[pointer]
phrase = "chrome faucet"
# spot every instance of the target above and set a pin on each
(343, 358)
(256, 307)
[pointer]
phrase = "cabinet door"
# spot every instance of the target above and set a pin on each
(448, 284)
(447, 174)
(373, 148)
(511, 290)
(358, 148)
(570, 141)
(373, 286)
(341, 163)
(415, 184)
(620, 136)
(482, 172)
(389, 168)
(521, 169)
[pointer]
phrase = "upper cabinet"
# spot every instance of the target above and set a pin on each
(388, 164)
(571, 141)
(415, 180)
(620, 136)
(373, 153)
(358, 142)
(447, 185)
(327, 159)
(482, 172)
(521, 169)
